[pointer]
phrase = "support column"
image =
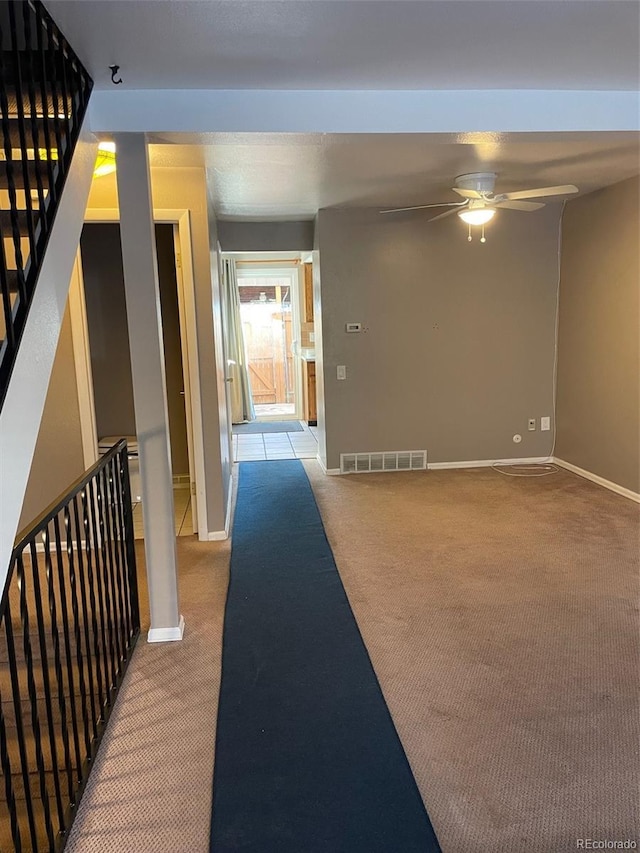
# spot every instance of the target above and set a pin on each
(144, 321)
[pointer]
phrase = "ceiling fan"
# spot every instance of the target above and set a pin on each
(480, 202)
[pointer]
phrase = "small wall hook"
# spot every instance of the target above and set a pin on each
(114, 70)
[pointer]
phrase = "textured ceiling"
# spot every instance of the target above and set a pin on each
(367, 44)
(356, 44)
(281, 176)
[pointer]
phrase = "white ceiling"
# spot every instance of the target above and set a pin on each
(289, 176)
(382, 45)
(356, 44)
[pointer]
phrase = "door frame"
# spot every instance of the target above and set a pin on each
(180, 219)
(273, 270)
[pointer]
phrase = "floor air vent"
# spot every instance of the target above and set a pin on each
(401, 460)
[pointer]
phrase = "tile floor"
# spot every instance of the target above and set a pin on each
(246, 448)
(276, 445)
(182, 515)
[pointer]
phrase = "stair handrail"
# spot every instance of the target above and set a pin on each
(44, 95)
(71, 597)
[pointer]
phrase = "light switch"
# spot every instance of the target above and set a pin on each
(341, 371)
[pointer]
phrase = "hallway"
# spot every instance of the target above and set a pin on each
(276, 445)
(488, 661)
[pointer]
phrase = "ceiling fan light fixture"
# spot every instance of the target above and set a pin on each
(477, 216)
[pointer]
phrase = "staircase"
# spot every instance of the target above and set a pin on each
(44, 92)
(69, 621)
(62, 651)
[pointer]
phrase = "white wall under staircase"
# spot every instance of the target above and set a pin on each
(24, 403)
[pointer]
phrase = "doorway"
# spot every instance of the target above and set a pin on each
(108, 340)
(270, 315)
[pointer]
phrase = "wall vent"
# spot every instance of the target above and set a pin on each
(393, 460)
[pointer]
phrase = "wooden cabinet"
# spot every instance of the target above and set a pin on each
(309, 388)
(308, 294)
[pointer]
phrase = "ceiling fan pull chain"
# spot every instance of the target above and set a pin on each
(483, 239)
(469, 238)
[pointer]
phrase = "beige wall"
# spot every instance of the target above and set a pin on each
(182, 188)
(221, 385)
(58, 459)
(599, 357)
(457, 349)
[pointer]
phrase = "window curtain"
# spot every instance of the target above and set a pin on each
(242, 409)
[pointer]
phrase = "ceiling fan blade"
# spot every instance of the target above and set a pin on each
(424, 206)
(565, 189)
(521, 205)
(466, 193)
(442, 215)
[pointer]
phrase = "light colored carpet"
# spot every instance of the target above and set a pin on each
(501, 618)
(150, 789)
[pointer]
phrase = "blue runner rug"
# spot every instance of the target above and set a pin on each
(307, 757)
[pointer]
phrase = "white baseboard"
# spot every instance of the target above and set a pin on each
(607, 484)
(220, 535)
(217, 535)
(487, 463)
(166, 635)
(331, 472)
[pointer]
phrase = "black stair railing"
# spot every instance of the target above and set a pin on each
(69, 620)
(44, 92)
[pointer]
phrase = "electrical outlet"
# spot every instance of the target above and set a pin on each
(545, 424)
(532, 424)
(341, 371)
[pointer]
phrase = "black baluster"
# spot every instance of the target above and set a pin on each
(122, 539)
(67, 646)
(89, 507)
(33, 105)
(111, 567)
(33, 698)
(10, 170)
(117, 554)
(105, 579)
(77, 636)
(132, 576)
(8, 784)
(83, 660)
(53, 63)
(76, 573)
(33, 249)
(10, 335)
(17, 710)
(44, 661)
(42, 56)
(65, 101)
(86, 569)
(53, 613)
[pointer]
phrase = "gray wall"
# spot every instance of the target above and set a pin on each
(174, 375)
(109, 335)
(58, 459)
(265, 236)
(221, 440)
(457, 351)
(599, 357)
(107, 326)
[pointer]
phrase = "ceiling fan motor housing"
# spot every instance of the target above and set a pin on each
(481, 182)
